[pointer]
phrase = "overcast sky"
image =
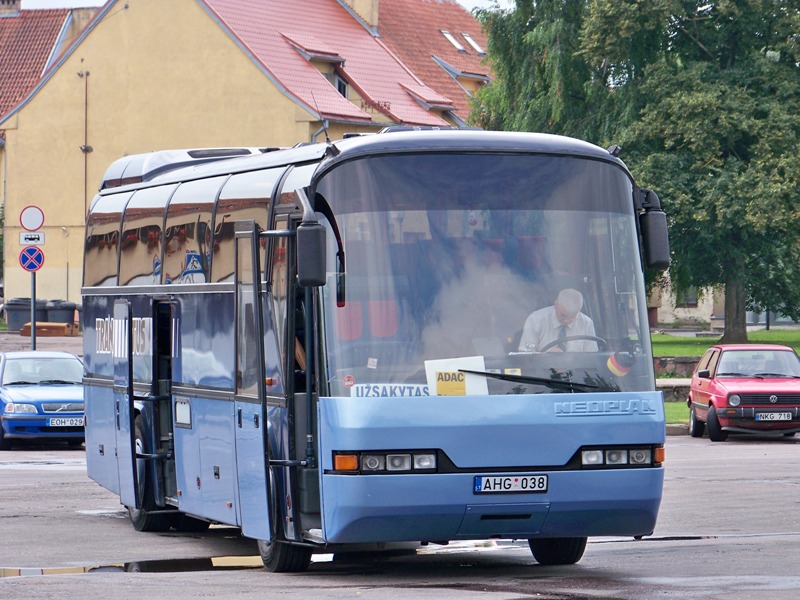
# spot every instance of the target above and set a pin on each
(469, 4)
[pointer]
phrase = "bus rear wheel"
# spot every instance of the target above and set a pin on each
(281, 557)
(557, 551)
(148, 517)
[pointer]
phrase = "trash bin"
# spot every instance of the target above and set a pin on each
(18, 312)
(61, 311)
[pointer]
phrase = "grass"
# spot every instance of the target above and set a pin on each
(673, 345)
(676, 412)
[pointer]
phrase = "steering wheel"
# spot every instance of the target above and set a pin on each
(603, 345)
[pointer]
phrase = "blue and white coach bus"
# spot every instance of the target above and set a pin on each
(321, 345)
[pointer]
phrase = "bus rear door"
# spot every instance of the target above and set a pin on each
(123, 405)
(252, 459)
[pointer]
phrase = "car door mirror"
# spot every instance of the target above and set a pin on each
(704, 374)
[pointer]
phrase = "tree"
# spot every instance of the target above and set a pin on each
(704, 97)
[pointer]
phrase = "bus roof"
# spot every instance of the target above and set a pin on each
(173, 166)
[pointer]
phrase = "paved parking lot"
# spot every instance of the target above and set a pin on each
(14, 341)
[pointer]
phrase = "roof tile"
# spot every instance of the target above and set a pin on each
(26, 42)
(373, 71)
(412, 29)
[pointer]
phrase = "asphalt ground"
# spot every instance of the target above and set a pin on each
(10, 341)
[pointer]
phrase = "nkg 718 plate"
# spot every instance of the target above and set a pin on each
(509, 484)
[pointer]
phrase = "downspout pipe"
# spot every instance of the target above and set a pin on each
(322, 129)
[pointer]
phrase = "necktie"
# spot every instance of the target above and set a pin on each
(562, 333)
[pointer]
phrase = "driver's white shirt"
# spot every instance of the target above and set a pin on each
(541, 327)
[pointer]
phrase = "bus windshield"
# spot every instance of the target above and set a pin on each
(455, 262)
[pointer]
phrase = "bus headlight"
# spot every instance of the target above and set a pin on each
(398, 462)
(424, 461)
(621, 457)
(375, 462)
(592, 457)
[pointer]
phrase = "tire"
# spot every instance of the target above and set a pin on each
(187, 524)
(715, 432)
(557, 551)
(145, 518)
(281, 557)
(4, 443)
(696, 427)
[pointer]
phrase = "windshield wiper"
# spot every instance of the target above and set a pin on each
(21, 383)
(777, 375)
(60, 381)
(553, 384)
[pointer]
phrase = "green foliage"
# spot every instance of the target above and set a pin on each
(704, 98)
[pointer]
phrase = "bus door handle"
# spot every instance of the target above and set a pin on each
(239, 418)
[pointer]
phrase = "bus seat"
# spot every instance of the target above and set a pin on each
(532, 252)
(494, 251)
(349, 321)
(382, 318)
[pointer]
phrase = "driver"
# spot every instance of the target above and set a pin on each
(556, 324)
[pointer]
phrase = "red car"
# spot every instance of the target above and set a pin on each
(746, 388)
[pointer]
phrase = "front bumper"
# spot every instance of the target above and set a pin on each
(29, 426)
(744, 418)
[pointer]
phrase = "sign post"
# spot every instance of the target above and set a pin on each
(32, 258)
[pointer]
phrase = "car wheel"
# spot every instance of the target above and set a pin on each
(557, 551)
(4, 443)
(696, 427)
(715, 432)
(148, 517)
(282, 557)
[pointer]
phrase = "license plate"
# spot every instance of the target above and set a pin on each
(506, 484)
(774, 416)
(65, 422)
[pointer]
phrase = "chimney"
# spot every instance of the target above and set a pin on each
(9, 8)
(367, 10)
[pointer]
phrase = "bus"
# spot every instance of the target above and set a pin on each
(321, 345)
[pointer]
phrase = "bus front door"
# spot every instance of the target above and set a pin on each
(123, 406)
(252, 458)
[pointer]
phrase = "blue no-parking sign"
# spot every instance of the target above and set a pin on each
(31, 258)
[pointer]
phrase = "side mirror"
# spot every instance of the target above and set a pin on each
(311, 254)
(704, 374)
(655, 235)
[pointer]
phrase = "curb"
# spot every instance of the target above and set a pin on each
(677, 429)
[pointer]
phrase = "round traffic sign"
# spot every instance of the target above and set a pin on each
(31, 218)
(31, 258)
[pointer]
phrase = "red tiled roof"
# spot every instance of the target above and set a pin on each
(413, 31)
(266, 27)
(26, 42)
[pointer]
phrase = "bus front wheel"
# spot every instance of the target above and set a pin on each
(281, 557)
(148, 517)
(557, 551)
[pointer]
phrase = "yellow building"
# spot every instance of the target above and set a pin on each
(151, 74)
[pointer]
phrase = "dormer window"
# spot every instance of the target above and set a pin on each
(340, 84)
(473, 43)
(453, 40)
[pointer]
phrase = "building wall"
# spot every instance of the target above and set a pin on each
(709, 304)
(150, 75)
